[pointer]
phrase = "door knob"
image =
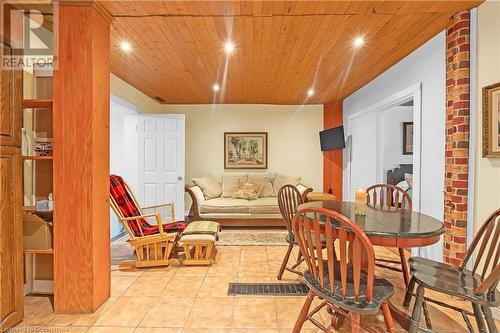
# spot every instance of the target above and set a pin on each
(180, 177)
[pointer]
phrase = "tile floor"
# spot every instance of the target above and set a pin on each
(194, 300)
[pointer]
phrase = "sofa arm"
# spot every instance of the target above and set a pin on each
(197, 199)
(304, 190)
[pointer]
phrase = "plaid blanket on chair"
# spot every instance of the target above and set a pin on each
(128, 208)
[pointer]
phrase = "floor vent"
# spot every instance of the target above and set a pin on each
(277, 289)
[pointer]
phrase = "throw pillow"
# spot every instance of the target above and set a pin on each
(409, 179)
(247, 190)
(267, 180)
(210, 186)
(229, 183)
(281, 180)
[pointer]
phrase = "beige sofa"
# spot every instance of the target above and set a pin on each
(212, 199)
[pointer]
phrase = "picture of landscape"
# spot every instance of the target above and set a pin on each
(245, 150)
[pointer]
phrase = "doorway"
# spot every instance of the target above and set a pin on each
(375, 142)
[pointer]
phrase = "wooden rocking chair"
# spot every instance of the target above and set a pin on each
(153, 243)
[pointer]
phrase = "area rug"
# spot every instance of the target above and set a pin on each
(252, 237)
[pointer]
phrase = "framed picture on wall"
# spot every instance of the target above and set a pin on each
(491, 120)
(408, 138)
(245, 150)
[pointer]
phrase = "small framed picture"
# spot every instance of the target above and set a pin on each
(408, 138)
(245, 150)
(491, 120)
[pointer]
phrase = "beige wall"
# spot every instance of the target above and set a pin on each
(292, 133)
(292, 137)
(487, 173)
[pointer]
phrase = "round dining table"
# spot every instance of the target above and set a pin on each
(388, 227)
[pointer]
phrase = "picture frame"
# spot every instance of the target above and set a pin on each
(407, 138)
(491, 120)
(245, 150)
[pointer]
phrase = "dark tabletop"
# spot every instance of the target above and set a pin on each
(386, 223)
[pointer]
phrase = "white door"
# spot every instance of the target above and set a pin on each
(160, 161)
(363, 152)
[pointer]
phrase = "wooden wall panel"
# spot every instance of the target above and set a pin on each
(81, 159)
(11, 228)
(11, 238)
(333, 159)
(10, 99)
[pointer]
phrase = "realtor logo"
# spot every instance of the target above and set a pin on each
(27, 35)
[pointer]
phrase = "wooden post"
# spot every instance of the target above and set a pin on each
(332, 160)
(81, 157)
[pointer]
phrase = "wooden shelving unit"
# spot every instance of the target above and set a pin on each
(37, 183)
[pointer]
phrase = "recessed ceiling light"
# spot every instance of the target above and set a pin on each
(125, 46)
(229, 47)
(359, 41)
(216, 87)
(310, 92)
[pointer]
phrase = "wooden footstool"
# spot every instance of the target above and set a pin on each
(198, 249)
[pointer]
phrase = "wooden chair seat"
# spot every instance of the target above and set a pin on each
(382, 290)
(452, 280)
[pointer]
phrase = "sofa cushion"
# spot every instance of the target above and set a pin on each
(224, 205)
(229, 183)
(267, 205)
(210, 186)
(281, 180)
(267, 180)
(247, 190)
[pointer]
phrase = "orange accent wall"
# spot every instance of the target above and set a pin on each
(332, 160)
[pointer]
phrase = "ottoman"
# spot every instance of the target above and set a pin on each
(198, 240)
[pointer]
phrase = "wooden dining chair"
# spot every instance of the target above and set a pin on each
(390, 197)
(289, 198)
(351, 288)
(478, 286)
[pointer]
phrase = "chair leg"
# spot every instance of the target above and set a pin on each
(355, 319)
(404, 265)
(479, 318)
(303, 313)
(409, 292)
(426, 315)
(389, 323)
(492, 328)
(298, 262)
(299, 256)
(417, 308)
(285, 261)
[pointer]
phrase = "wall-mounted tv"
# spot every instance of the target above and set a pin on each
(332, 138)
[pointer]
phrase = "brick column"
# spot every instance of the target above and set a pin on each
(457, 137)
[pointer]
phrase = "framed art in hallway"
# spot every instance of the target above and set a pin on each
(245, 150)
(491, 120)
(408, 138)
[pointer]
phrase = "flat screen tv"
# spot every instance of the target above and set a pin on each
(332, 138)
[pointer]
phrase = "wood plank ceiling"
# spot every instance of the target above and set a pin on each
(283, 48)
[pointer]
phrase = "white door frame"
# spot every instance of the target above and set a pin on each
(415, 92)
